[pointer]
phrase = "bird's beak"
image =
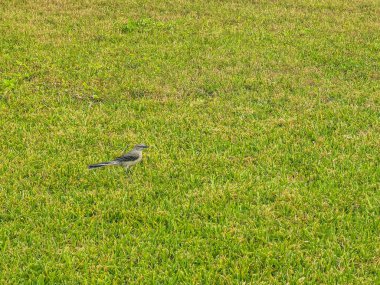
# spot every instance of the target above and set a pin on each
(146, 146)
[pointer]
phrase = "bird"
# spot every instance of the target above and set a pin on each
(126, 160)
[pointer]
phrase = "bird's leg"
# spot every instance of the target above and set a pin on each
(126, 169)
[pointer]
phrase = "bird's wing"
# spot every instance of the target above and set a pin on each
(127, 157)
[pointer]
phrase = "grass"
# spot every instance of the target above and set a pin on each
(264, 124)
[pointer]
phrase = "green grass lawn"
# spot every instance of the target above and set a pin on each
(263, 119)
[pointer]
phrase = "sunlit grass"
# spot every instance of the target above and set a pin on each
(263, 122)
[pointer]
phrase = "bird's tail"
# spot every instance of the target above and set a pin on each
(92, 166)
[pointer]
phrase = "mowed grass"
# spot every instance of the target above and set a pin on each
(263, 119)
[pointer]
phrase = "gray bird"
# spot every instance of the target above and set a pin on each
(127, 160)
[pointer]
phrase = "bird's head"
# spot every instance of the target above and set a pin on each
(140, 146)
